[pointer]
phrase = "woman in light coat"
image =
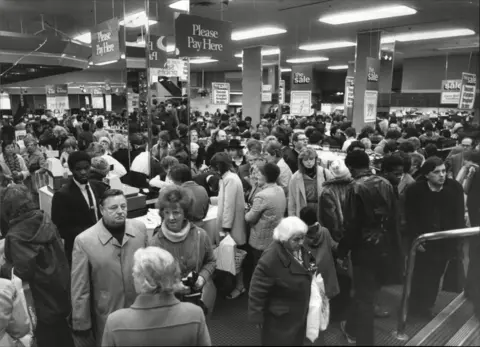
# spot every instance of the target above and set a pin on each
(231, 209)
(306, 184)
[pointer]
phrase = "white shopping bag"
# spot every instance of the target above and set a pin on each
(225, 254)
(29, 309)
(318, 315)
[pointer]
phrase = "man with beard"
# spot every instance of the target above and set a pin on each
(102, 280)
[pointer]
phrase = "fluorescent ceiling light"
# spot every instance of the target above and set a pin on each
(286, 69)
(236, 93)
(327, 45)
(137, 20)
(427, 35)
(457, 47)
(256, 32)
(269, 51)
(306, 60)
(338, 67)
(106, 63)
(369, 14)
(182, 5)
(84, 38)
(240, 65)
(202, 60)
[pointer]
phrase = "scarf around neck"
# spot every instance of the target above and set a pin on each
(176, 237)
(12, 162)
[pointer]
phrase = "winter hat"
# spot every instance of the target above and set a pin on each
(105, 139)
(100, 166)
(16, 201)
(339, 169)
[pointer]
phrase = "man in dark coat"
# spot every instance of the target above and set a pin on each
(434, 203)
(75, 206)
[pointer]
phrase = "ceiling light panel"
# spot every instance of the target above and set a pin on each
(427, 35)
(338, 67)
(326, 45)
(253, 33)
(182, 5)
(84, 38)
(265, 52)
(202, 61)
(369, 14)
(137, 20)
(306, 60)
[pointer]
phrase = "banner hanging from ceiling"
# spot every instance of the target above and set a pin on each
(373, 73)
(56, 90)
(302, 77)
(469, 89)
(450, 92)
(106, 42)
(197, 36)
(158, 51)
(220, 93)
(173, 68)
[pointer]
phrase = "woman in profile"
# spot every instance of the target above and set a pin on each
(157, 318)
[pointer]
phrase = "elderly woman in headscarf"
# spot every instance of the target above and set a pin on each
(97, 150)
(17, 168)
(280, 289)
(35, 160)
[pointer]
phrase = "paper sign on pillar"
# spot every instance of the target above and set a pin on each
(450, 92)
(371, 92)
(349, 92)
(281, 92)
(220, 93)
(267, 93)
(469, 89)
(300, 102)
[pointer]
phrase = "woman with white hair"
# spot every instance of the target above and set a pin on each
(280, 288)
(157, 317)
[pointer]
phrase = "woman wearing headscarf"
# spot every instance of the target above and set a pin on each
(34, 160)
(306, 185)
(280, 289)
(156, 318)
(189, 244)
(97, 150)
(15, 163)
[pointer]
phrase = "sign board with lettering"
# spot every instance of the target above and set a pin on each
(281, 92)
(173, 68)
(349, 92)
(300, 102)
(5, 103)
(58, 104)
(467, 94)
(451, 91)
(370, 104)
(373, 73)
(97, 101)
(267, 93)
(108, 102)
(106, 42)
(56, 90)
(302, 77)
(197, 36)
(158, 51)
(220, 93)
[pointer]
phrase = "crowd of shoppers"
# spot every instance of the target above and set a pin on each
(293, 213)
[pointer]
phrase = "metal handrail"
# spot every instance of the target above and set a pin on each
(448, 234)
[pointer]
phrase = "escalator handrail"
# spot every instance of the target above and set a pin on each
(441, 235)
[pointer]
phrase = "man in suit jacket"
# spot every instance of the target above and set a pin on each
(75, 205)
(456, 159)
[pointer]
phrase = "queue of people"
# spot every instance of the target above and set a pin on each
(294, 214)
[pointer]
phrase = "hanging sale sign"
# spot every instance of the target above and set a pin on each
(197, 36)
(349, 91)
(106, 42)
(467, 93)
(267, 93)
(220, 93)
(56, 90)
(373, 73)
(370, 111)
(158, 51)
(302, 77)
(451, 91)
(300, 102)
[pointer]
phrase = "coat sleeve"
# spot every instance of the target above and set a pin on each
(209, 260)
(284, 179)
(22, 258)
(260, 287)
(81, 315)
(328, 217)
(253, 216)
(60, 216)
(229, 204)
(108, 338)
(292, 208)
(203, 336)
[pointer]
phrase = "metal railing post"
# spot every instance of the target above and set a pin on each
(400, 334)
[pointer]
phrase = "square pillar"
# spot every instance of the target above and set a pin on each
(252, 81)
(367, 73)
(387, 61)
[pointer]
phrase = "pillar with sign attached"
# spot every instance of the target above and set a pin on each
(367, 77)
(349, 91)
(252, 83)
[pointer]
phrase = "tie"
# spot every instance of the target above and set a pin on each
(91, 206)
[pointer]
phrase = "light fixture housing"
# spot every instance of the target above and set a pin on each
(306, 60)
(427, 35)
(84, 38)
(137, 20)
(265, 52)
(326, 45)
(368, 14)
(106, 63)
(181, 5)
(338, 67)
(202, 60)
(253, 33)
